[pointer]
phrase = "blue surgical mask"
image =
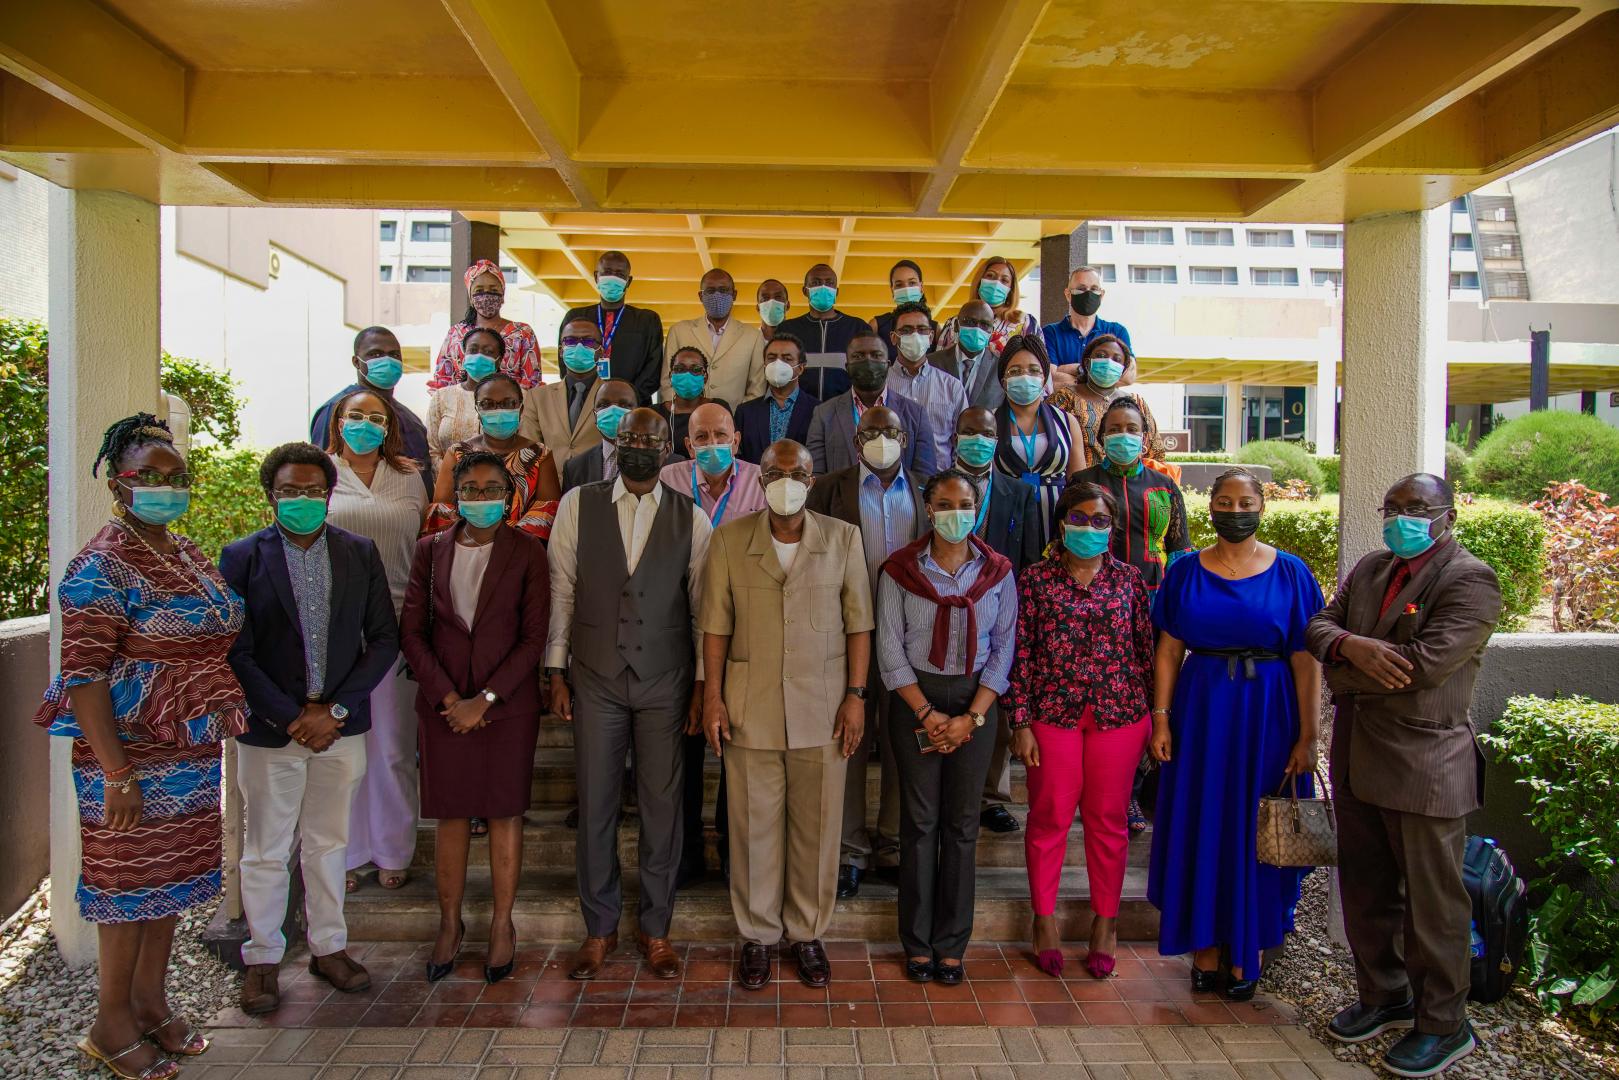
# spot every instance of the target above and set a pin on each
(500, 423)
(1123, 448)
(611, 288)
(301, 515)
(1407, 536)
(1105, 371)
(771, 312)
(975, 450)
(482, 512)
(363, 436)
(908, 294)
(688, 384)
(973, 338)
(1085, 542)
(608, 417)
(383, 372)
(158, 505)
(992, 292)
(714, 460)
(954, 525)
(579, 358)
(822, 297)
(478, 366)
(1025, 389)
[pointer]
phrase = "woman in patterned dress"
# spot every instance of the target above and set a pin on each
(499, 400)
(486, 291)
(1039, 444)
(1107, 368)
(452, 414)
(996, 285)
(146, 695)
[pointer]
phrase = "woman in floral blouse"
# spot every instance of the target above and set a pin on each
(499, 401)
(1078, 710)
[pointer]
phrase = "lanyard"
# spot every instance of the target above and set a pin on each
(983, 511)
(608, 335)
(1028, 447)
(719, 507)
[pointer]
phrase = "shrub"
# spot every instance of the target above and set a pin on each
(1567, 753)
(1287, 461)
(1518, 459)
(1331, 472)
(1583, 549)
(1458, 469)
(1206, 459)
(24, 480)
(216, 406)
(226, 500)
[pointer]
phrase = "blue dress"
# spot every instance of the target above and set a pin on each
(1232, 738)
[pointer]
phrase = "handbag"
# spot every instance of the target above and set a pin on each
(1297, 832)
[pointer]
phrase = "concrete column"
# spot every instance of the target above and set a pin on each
(1234, 418)
(1395, 293)
(469, 242)
(1324, 412)
(104, 366)
(1059, 254)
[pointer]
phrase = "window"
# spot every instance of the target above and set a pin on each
(1108, 271)
(1270, 237)
(1210, 237)
(1464, 279)
(1205, 416)
(1099, 234)
(1461, 241)
(385, 272)
(390, 231)
(435, 232)
(1458, 205)
(1214, 275)
(1279, 275)
(509, 273)
(427, 273)
(1334, 278)
(1325, 239)
(1152, 275)
(1154, 235)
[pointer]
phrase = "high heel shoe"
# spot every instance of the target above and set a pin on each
(1050, 961)
(1099, 964)
(435, 972)
(1242, 989)
(493, 974)
(1205, 982)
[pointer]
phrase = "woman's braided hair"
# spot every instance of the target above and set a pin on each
(142, 429)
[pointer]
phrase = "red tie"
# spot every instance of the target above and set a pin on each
(1397, 581)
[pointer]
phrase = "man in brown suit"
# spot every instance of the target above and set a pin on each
(1402, 641)
(786, 620)
(561, 415)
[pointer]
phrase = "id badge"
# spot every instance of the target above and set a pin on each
(1032, 479)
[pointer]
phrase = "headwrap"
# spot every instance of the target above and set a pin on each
(482, 266)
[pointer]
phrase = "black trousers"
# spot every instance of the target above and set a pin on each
(938, 821)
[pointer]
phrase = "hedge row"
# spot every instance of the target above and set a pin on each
(1328, 466)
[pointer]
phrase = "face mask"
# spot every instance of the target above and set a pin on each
(881, 452)
(1105, 372)
(868, 375)
(608, 417)
(771, 312)
(1234, 526)
(908, 294)
(482, 513)
(639, 463)
(478, 366)
(1407, 536)
(1085, 303)
(975, 450)
(714, 460)
(500, 423)
(915, 346)
(718, 305)
(363, 436)
(822, 297)
(487, 304)
(611, 288)
(688, 384)
(579, 358)
(302, 515)
(786, 496)
(158, 505)
(1085, 542)
(1025, 389)
(779, 373)
(1122, 448)
(954, 525)
(973, 339)
(992, 292)
(383, 372)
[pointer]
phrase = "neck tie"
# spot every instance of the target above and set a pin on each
(576, 397)
(1397, 581)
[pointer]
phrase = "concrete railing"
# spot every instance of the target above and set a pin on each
(25, 758)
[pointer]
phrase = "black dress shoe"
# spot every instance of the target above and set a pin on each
(919, 970)
(848, 882)
(1359, 1022)
(998, 819)
(1241, 989)
(1419, 1054)
(813, 969)
(949, 974)
(753, 973)
(1205, 982)
(435, 972)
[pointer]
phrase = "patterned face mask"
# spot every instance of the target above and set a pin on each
(487, 304)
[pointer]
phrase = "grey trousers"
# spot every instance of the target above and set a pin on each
(608, 714)
(863, 847)
(998, 783)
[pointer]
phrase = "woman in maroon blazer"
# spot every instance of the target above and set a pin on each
(473, 631)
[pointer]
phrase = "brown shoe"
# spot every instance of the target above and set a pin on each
(260, 991)
(660, 956)
(588, 961)
(753, 972)
(343, 973)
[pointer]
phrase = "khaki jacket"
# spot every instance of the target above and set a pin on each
(545, 421)
(736, 370)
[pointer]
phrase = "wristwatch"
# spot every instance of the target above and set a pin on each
(338, 711)
(977, 718)
(489, 696)
(857, 691)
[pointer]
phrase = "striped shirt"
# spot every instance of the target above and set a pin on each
(388, 513)
(311, 574)
(905, 626)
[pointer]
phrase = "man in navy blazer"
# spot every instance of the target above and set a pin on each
(832, 428)
(320, 635)
(784, 370)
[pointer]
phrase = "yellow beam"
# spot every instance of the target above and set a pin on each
(699, 240)
(1104, 196)
(33, 121)
(411, 187)
(757, 190)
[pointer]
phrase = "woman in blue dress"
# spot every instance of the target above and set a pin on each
(1236, 706)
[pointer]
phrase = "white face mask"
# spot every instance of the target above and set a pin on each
(881, 452)
(915, 346)
(786, 496)
(778, 373)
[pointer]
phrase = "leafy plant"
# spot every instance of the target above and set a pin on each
(1518, 459)
(1294, 490)
(1287, 461)
(1582, 553)
(1331, 468)
(227, 502)
(216, 403)
(1458, 467)
(24, 474)
(1459, 434)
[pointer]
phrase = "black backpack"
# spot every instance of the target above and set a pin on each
(1500, 919)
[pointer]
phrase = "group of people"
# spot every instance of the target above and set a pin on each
(956, 545)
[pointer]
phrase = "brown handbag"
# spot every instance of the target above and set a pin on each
(1297, 832)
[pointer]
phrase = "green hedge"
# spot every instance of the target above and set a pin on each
(24, 480)
(1287, 461)
(1518, 459)
(226, 500)
(1329, 466)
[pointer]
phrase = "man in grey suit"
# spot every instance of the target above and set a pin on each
(1402, 640)
(614, 401)
(970, 359)
(831, 435)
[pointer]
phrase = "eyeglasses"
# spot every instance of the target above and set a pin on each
(869, 434)
(907, 331)
(1084, 520)
(770, 476)
(379, 419)
(571, 340)
(982, 324)
(1097, 289)
(300, 492)
(1417, 510)
(718, 290)
(497, 404)
(153, 478)
(638, 441)
(472, 493)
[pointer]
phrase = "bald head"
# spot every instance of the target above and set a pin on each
(978, 310)
(976, 421)
(877, 418)
(710, 424)
(786, 458)
(717, 279)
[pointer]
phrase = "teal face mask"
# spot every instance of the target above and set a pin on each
(500, 423)
(954, 525)
(992, 292)
(1105, 371)
(1085, 542)
(822, 297)
(973, 338)
(1025, 389)
(975, 450)
(579, 358)
(363, 436)
(481, 513)
(478, 366)
(714, 460)
(611, 288)
(1407, 536)
(771, 312)
(158, 505)
(301, 515)
(608, 417)
(383, 372)
(908, 294)
(688, 384)
(1123, 448)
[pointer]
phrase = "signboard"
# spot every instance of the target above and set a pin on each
(1176, 442)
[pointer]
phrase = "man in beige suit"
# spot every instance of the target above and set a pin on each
(735, 350)
(561, 415)
(786, 621)
(1402, 640)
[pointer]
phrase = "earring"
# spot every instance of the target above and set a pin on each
(119, 511)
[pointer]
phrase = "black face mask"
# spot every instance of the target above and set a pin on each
(639, 463)
(1234, 526)
(1085, 303)
(868, 375)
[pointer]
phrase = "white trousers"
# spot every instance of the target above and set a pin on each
(292, 792)
(382, 824)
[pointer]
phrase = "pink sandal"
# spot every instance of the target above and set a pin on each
(1099, 964)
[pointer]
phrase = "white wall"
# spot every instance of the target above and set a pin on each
(24, 247)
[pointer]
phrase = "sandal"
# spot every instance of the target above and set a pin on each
(351, 882)
(392, 879)
(1135, 817)
(479, 827)
(195, 1042)
(161, 1069)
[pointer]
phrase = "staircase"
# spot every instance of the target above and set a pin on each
(548, 903)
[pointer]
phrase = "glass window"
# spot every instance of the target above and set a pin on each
(1464, 279)
(1274, 275)
(1335, 278)
(390, 231)
(1324, 239)
(1152, 275)
(386, 272)
(1461, 241)
(1214, 275)
(1270, 237)
(1151, 235)
(1459, 204)
(1210, 237)
(1109, 272)
(1205, 418)
(427, 273)
(430, 231)
(510, 272)
(1099, 234)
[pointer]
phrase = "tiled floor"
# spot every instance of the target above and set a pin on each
(869, 990)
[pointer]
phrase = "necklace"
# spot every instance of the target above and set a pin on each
(205, 589)
(1231, 571)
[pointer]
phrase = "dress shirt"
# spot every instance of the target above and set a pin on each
(636, 514)
(968, 366)
(905, 626)
(311, 574)
(781, 415)
(1066, 345)
(745, 494)
(887, 518)
(942, 397)
(715, 335)
(609, 459)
